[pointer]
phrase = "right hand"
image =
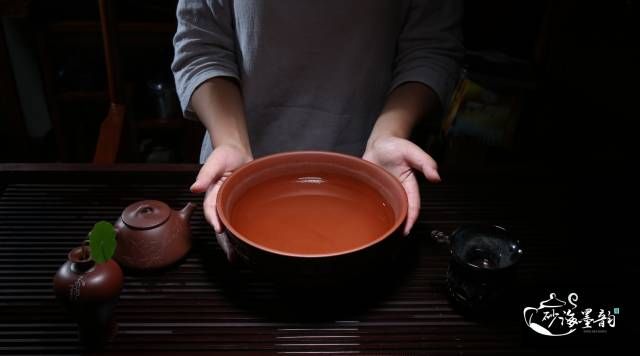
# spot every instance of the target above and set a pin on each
(221, 162)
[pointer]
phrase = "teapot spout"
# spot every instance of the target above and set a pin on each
(185, 213)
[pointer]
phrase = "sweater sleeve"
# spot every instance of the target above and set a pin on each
(204, 46)
(430, 46)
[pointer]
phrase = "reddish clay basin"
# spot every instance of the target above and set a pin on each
(307, 212)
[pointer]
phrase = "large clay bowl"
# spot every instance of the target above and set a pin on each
(312, 217)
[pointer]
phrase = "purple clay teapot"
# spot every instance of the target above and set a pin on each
(151, 235)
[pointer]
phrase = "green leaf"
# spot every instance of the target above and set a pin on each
(102, 241)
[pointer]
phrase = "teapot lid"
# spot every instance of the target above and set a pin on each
(146, 214)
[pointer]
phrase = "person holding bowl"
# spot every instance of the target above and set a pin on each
(349, 76)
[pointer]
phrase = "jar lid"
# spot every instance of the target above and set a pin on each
(146, 214)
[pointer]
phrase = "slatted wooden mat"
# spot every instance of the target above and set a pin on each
(205, 305)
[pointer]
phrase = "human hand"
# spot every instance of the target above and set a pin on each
(221, 163)
(400, 157)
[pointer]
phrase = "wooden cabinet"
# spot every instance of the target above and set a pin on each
(110, 58)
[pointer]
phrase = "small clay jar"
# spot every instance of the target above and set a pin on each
(89, 291)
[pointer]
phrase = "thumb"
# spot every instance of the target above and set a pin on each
(420, 160)
(210, 172)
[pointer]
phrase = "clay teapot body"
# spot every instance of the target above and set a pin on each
(151, 235)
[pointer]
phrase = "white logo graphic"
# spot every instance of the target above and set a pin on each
(556, 317)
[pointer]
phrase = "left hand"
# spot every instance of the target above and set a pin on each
(400, 157)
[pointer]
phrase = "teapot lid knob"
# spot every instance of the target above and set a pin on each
(146, 214)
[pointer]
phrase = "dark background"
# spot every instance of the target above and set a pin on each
(570, 68)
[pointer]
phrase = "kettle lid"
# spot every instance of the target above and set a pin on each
(146, 214)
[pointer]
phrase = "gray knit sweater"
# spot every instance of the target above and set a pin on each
(314, 74)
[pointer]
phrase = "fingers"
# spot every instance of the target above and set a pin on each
(413, 196)
(419, 159)
(209, 205)
(209, 180)
(209, 173)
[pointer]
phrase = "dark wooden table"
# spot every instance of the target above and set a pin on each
(203, 305)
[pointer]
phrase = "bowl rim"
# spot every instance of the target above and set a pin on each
(399, 220)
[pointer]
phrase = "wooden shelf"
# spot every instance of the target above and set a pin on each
(133, 35)
(72, 27)
(159, 123)
(75, 96)
(128, 47)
